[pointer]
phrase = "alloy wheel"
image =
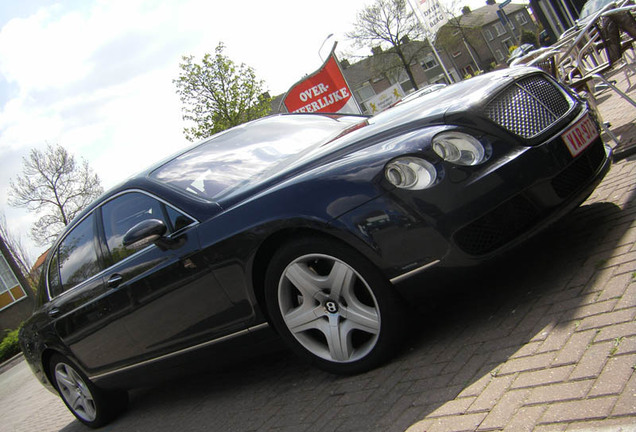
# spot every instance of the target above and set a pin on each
(329, 308)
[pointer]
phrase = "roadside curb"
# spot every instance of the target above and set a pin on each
(11, 362)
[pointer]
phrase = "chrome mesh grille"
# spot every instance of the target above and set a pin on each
(529, 107)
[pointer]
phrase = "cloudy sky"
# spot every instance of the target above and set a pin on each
(96, 75)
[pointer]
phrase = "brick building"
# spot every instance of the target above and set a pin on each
(16, 298)
(479, 40)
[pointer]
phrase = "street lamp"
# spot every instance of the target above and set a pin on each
(323, 44)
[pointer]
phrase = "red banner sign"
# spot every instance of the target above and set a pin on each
(324, 91)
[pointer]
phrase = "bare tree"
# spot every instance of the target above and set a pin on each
(389, 22)
(457, 32)
(53, 185)
(17, 249)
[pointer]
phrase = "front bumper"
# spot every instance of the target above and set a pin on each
(470, 218)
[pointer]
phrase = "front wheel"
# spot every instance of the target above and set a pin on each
(89, 404)
(332, 306)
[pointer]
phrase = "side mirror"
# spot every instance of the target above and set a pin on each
(144, 233)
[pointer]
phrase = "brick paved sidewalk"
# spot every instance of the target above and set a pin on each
(621, 114)
(577, 370)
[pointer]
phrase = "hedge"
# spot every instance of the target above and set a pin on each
(9, 346)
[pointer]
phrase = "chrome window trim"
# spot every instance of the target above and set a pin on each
(124, 192)
(181, 351)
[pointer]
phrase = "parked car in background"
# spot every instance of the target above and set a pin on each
(519, 52)
(306, 224)
(421, 92)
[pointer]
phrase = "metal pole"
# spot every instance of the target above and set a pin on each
(322, 45)
(472, 56)
(427, 32)
(335, 57)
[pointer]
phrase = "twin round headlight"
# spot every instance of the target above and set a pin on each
(459, 148)
(410, 173)
(414, 173)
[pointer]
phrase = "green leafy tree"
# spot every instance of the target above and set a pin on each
(53, 185)
(528, 37)
(219, 94)
(392, 23)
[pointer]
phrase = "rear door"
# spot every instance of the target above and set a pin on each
(82, 307)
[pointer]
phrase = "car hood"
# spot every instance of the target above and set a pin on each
(435, 108)
(438, 106)
(358, 132)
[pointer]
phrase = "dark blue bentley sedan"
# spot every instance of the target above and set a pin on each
(305, 224)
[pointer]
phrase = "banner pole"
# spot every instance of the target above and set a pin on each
(353, 96)
(312, 97)
(430, 38)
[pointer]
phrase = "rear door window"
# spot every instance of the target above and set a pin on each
(77, 256)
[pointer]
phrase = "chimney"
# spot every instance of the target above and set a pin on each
(344, 63)
(376, 50)
(491, 2)
(466, 10)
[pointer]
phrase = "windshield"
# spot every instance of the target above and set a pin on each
(248, 153)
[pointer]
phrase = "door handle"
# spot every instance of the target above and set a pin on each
(54, 312)
(115, 280)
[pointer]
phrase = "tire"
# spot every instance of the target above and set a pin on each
(91, 405)
(332, 306)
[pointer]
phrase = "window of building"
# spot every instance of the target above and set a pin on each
(508, 43)
(429, 62)
(10, 289)
(404, 81)
(364, 93)
(499, 29)
(499, 55)
(488, 34)
(521, 18)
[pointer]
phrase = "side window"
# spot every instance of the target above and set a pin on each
(178, 220)
(55, 285)
(77, 256)
(125, 211)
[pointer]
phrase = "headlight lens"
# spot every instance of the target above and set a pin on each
(459, 148)
(410, 173)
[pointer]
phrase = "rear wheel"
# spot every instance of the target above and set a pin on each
(332, 306)
(89, 404)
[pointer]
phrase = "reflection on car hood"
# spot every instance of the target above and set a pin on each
(360, 132)
(460, 96)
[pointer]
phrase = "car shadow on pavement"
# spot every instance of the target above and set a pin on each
(458, 341)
